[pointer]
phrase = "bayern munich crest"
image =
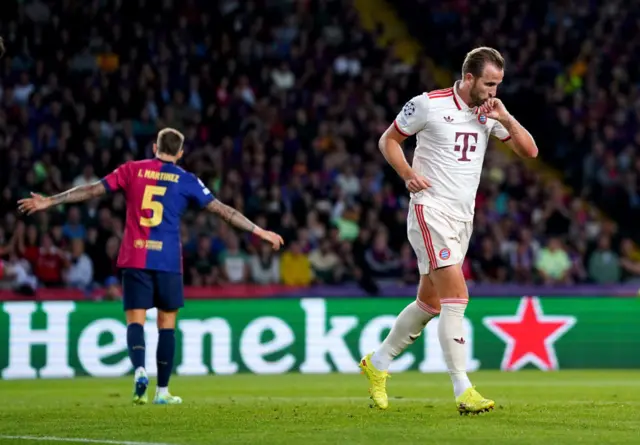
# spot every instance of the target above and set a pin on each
(482, 118)
(445, 254)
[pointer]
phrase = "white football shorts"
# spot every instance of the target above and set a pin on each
(436, 238)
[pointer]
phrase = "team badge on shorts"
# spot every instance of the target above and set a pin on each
(445, 254)
(482, 118)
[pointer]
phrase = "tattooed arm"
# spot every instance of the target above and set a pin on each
(81, 193)
(237, 219)
(232, 217)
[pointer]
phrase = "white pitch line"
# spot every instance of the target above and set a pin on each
(80, 440)
(328, 399)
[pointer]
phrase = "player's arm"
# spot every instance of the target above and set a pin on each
(77, 194)
(521, 141)
(391, 148)
(234, 218)
(509, 130)
(410, 120)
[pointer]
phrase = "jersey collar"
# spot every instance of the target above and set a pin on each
(460, 104)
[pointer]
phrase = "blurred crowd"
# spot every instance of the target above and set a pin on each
(282, 104)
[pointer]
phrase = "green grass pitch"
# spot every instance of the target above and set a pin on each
(532, 407)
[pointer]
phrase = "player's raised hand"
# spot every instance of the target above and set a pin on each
(417, 183)
(34, 204)
(493, 108)
(272, 238)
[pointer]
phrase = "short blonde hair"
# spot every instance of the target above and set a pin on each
(170, 141)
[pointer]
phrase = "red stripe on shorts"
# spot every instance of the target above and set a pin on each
(426, 236)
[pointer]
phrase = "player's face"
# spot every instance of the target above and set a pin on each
(486, 86)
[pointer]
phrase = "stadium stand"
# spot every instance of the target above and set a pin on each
(282, 104)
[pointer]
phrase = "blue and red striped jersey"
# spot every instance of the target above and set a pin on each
(157, 195)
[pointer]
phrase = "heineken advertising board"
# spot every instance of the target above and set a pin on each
(67, 339)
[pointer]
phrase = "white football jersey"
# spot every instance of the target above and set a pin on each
(451, 141)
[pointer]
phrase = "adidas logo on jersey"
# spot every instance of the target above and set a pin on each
(448, 119)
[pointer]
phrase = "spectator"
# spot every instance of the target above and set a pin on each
(265, 266)
(629, 261)
(74, 229)
(382, 262)
(348, 182)
(50, 263)
(282, 77)
(18, 271)
(325, 263)
(553, 263)
(522, 259)
(604, 264)
(202, 266)
(234, 263)
(87, 177)
(112, 290)
(80, 272)
(296, 267)
(489, 266)
(409, 265)
(28, 243)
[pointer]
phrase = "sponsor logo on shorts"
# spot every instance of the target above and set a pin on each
(445, 254)
(482, 118)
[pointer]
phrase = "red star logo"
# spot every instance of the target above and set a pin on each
(529, 335)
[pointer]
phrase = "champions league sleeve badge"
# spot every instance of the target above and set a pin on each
(409, 108)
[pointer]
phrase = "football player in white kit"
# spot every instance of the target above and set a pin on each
(452, 128)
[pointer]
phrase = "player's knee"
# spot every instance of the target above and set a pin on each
(136, 316)
(167, 319)
(457, 291)
(449, 283)
(427, 293)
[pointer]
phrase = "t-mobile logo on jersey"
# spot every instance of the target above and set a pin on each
(466, 144)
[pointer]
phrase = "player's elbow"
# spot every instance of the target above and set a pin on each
(526, 150)
(382, 142)
(532, 151)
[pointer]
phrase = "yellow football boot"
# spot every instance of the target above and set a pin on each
(471, 402)
(377, 382)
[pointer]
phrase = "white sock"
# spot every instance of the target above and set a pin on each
(406, 329)
(140, 372)
(450, 334)
(162, 390)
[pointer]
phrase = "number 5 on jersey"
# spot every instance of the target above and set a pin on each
(156, 207)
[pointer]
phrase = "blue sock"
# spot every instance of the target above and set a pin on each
(164, 355)
(135, 342)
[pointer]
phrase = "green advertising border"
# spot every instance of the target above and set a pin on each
(67, 339)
